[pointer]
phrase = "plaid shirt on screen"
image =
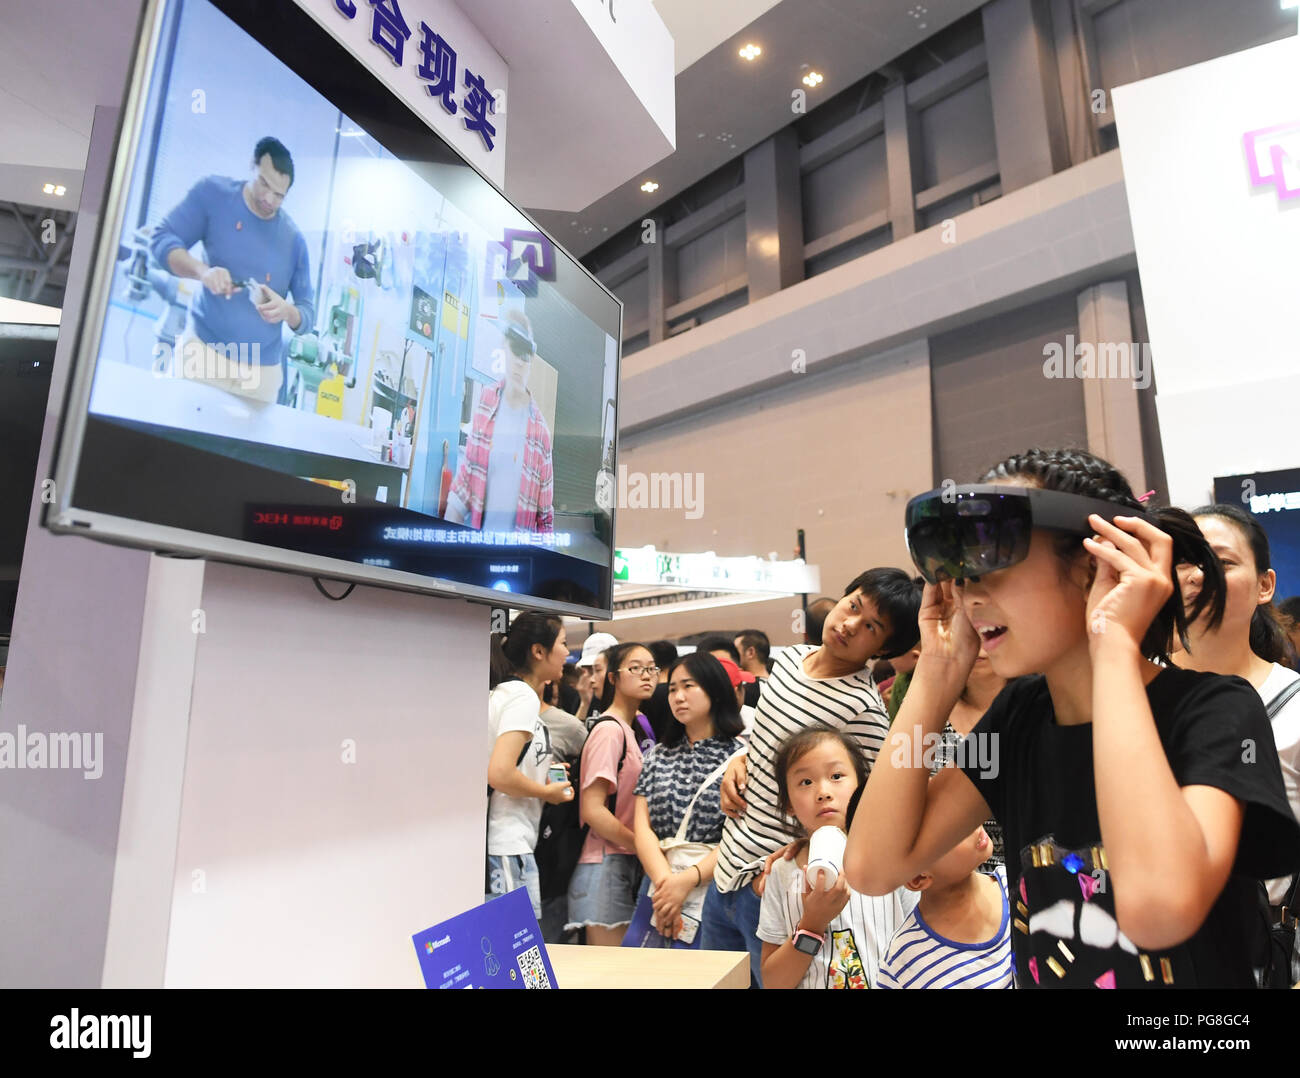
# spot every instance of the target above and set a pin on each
(534, 513)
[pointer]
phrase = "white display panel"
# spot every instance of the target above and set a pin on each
(1212, 168)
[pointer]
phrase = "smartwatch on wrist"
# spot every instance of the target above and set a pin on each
(808, 942)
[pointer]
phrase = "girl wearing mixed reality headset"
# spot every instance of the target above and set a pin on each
(1139, 801)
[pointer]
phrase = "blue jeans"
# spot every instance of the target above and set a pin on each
(508, 872)
(730, 923)
(604, 893)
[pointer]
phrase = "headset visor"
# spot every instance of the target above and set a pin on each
(964, 532)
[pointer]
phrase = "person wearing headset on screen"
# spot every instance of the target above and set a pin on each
(254, 256)
(505, 481)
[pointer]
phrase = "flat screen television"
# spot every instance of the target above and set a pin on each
(316, 339)
(26, 360)
(1273, 498)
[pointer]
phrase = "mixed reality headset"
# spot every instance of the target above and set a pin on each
(519, 340)
(963, 532)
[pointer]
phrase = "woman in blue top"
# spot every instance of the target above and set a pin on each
(690, 760)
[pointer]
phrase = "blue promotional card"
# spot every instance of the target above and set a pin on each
(495, 945)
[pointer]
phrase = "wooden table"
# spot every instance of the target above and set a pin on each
(634, 967)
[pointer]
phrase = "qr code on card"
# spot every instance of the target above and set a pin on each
(533, 969)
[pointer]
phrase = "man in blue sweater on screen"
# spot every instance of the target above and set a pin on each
(253, 257)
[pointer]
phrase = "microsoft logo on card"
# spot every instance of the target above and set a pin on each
(1273, 158)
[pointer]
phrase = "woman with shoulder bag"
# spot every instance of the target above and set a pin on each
(678, 819)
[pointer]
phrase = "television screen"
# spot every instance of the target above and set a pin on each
(26, 360)
(317, 339)
(1273, 498)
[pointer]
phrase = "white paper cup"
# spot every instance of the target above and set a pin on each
(826, 856)
(379, 420)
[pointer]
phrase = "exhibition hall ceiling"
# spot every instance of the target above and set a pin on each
(698, 28)
(726, 104)
(62, 57)
(58, 60)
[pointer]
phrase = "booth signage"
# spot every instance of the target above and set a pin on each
(673, 598)
(1273, 499)
(430, 55)
(709, 572)
(495, 945)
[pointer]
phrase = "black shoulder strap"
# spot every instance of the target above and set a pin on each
(522, 753)
(610, 718)
(1279, 701)
(613, 794)
(1274, 706)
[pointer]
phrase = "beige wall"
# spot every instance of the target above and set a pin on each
(820, 453)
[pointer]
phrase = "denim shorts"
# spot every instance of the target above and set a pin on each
(508, 872)
(604, 894)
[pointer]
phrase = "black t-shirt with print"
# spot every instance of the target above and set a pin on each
(1215, 732)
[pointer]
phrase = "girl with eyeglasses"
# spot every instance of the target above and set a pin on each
(603, 888)
(1139, 801)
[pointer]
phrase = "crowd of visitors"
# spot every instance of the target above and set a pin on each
(1065, 754)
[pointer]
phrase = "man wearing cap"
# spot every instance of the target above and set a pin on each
(505, 480)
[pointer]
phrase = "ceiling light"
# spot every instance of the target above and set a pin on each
(649, 187)
(812, 79)
(751, 52)
(60, 190)
(55, 189)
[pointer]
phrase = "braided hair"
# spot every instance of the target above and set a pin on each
(1076, 471)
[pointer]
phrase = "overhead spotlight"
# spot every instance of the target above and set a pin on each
(649, 187)
(751, 52)
(813, 78)
(60, 190)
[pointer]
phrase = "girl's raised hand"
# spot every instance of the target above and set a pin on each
(1133, 580)
(945, 632)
